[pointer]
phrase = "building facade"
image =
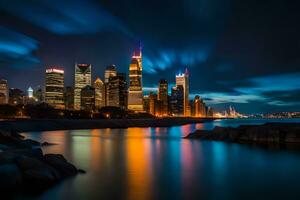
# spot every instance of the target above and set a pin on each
(4, 96)
(87, 98)
(199, 106)
(177, 101)
(163, 96)
(135, 96)
(69, 97)
(54, 88)
(16, 96)
(83, 77)
(99, 93)
(117, 91)
(183, 80)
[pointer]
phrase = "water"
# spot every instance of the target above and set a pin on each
(156, 163)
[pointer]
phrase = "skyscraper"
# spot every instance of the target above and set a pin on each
(177, 101)
(135, 96)
(152, 103)
(3, 92)
(110, 71)
(200, 107)
(69, 97)
(99, 93)
(117, 91)
(38, 94)
(30, 92)
(83, 77)
(87, 98)
(183, 79)
(163, 96)
(16, 96)
(54, 94)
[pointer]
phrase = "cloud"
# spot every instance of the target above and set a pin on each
(64, 17)
(16, 50)
(164, 59)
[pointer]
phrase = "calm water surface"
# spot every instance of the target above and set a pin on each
(156, 163)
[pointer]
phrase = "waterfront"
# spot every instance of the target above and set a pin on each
(156, 163)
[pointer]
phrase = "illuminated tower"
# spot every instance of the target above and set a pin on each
(135, 96)
(110, 71)
(183, 79)
(163, 96)
(30, 92)
(54, 93)
(99, 93)
(3, 91)
(83, 73)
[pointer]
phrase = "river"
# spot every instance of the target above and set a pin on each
(156, 163)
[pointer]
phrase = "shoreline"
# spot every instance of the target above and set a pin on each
(27, 125)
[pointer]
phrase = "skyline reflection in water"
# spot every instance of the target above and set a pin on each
(156, 163)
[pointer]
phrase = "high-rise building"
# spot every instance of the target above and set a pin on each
(152, 103)
(200, 107)
(177, 101)
(117, 91)
(3, 92)
(83, 77)
(146, 103)
(87, 98)
(69, 97)
(16, 96)
(183, 79)
(99, 93)
(135, 96)
(54, 94)
(30, 92)
(210, 112)
(38, 94)
(163, 96)
(109, 72)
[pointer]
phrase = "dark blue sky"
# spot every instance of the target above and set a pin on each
(244, 53)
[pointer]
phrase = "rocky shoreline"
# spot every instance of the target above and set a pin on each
(269, 133)
(24, 167)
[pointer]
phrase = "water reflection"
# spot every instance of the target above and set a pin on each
(156, 163)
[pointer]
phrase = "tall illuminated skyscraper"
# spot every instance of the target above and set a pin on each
(163, 96)
(135, 96)
(83, 77)
(30, 92)
(110, 71)
(54, 93)
(183, 79)
(3, 92)
(99, 93)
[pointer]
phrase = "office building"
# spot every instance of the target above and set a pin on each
(4, 96)
(54, 93)
(177, 101)
(183, 79)
(99, 93)
(69, 98)
(117, 91)
(135, 96)
(83, 78)
(87, 98)
(163, 96)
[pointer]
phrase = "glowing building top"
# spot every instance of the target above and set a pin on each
(135, 93)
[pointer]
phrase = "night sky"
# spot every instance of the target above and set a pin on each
(244, 53)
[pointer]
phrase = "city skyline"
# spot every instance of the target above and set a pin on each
(255, 72)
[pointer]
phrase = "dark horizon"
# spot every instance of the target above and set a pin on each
(244, 54)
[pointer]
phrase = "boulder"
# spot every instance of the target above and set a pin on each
(11, 176)
(36, 173)
(58, 162)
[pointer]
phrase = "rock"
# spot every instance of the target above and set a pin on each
(11, 176)
(81, 171)
(47, 144)
(58, 162)
(36, 173)
(33, 153)
(32, 142)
